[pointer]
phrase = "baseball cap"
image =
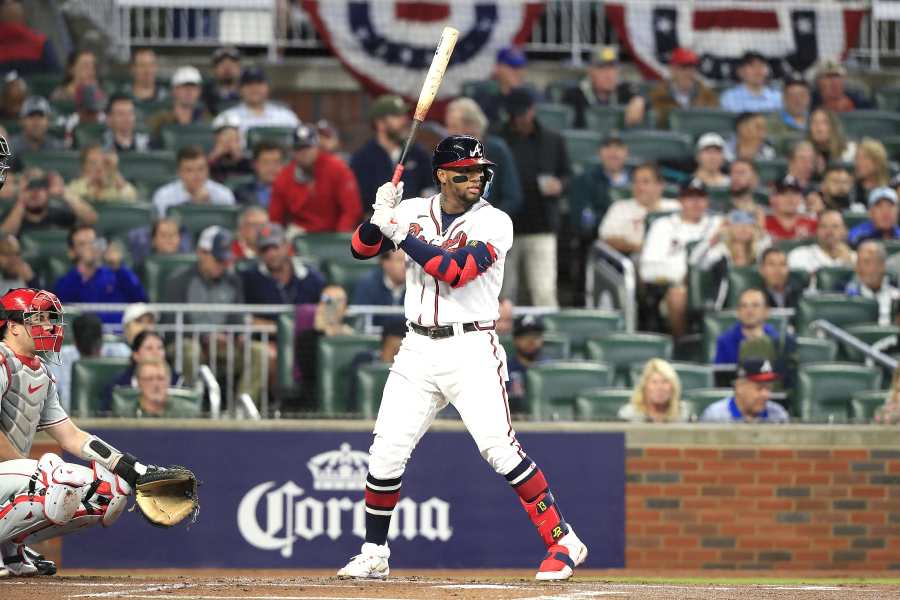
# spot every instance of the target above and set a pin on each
(270, 235)
(605, 56)
(756, 369)
(512, 57)
(225, 52)
(387, 105)
(253, 74)
(683, 57)
(35, 105)
(829, 66)
(882, 193)
(751, 55)
(225, 120)
(186, 75)
(305, 136)
(741, 217)
(217, 241)
(788, 183)
(527, 324)
(136, 311)
(519, 100)
(694, 187)
(710, 140)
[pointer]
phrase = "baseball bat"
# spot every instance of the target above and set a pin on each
(429, 91)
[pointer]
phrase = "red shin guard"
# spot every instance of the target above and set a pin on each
(546, 518)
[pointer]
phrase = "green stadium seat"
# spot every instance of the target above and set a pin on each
(839, 309)
(816, 350)
(702, 397)
(325, 247)
(715, 323)
(12, 126)
(65, 162)
(175, 136)
(870, 123)
(285, 384)
(825, 390)
(892, 145)
(888, 98)
(863, 405)
(702, 289)
(118, 218)
(604, 119)
(48, 242)
(581, 147)
(182, 403)
(784, 143)
(62, 108)
(55, 266)
(197, 217)
(552, 386)
(692, 375)
(892, 247)
(348, 274)
(770, 170)
(622, 349)
(556, 90)
(472, 89)
(335, 355)
(157, 270)
(150, 166)
(658, 145)
(370, 380)
(235, 181)
(555, 116)
(90, 376)
(89, 133)
(144, 109)
(742, 278)
(787, 245)
(601, 404)
(280, 135)
(580, 325)
(697, 121)
(870, 333)
(556, 346)
(852, 218)
(833, 279)
(43, 84)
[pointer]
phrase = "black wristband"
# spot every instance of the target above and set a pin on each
(125, 469)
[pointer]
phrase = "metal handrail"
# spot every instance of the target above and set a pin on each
(624, 271)
(857, 344)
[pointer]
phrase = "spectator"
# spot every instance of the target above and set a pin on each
(193, 184)
(13, 94)
(738, 243)
(327, 322)
(871, 280)
(223, 88)
(831, 93)
(623, 225)
(280, 279)
(602, 87)
(89, 103)
(504, 324)
(145, 346)
(827, 136)
(35, 120)
(33, 210)
(871, 169)
(830, 249)
(752, 94)
(14, 271)
(100, 179)
(743, 182)
(684, 89)
(882, 223)
(749, 142)
(227, 157)
(802, 166)
(120, 119)
(711, 160)
(835, 189)
(543, 166)
(664, 259)
(165, 236)
(81, 71)
(657, 396)
(255, 109)
(152, 378)
(889, 413)
(777, 286)
(793, 118)
(329, 137)
(465, 117)
(750, 402)
(392, 335)
(251, 221)
(785, 221)
(383, 287)
(268, 160)
(509, 73)
(528, 340)
(144, 68)
(316, 191)
(186, 106)
(137, 318)
(373, 163)
(90, 281)
(24, 49)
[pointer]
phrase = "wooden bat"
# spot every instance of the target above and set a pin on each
(429, 91)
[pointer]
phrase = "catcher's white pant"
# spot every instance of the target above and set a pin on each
(467, 370)
(46, 498)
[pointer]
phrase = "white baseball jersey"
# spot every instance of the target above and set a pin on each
(430, 302)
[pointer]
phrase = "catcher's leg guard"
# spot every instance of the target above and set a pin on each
(64, 489)
(112, 491)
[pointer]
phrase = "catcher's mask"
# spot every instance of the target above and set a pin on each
(459, 151)
(38, 310)
(5, 155)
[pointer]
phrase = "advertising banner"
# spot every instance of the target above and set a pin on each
(294, 499)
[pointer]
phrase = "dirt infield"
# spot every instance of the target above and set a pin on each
(438, 585)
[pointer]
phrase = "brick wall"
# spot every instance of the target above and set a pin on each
(748, 508)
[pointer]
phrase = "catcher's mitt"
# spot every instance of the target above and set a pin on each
(165, 496)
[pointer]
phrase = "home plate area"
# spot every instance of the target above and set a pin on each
(455, 586)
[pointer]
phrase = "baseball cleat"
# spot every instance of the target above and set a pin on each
(44, 567)
(3, 572)
(370, 563)
(562, 558)
(16, 562)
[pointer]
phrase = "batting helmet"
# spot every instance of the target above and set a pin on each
(460, 151)
(38, 309)
(5, 156)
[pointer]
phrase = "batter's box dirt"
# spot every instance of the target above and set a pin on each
(514, 585)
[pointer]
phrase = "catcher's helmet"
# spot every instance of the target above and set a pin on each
(27, 306)
(460, 151)
(5, 155)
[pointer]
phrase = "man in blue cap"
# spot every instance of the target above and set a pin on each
(750, 402)
(255, 109)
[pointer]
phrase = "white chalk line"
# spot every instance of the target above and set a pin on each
(128, 593)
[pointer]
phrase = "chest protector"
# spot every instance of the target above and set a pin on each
(22, 402)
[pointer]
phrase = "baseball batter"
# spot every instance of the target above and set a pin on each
(457, 243)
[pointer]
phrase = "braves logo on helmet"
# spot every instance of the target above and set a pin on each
(458, 151)
(38, 309)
